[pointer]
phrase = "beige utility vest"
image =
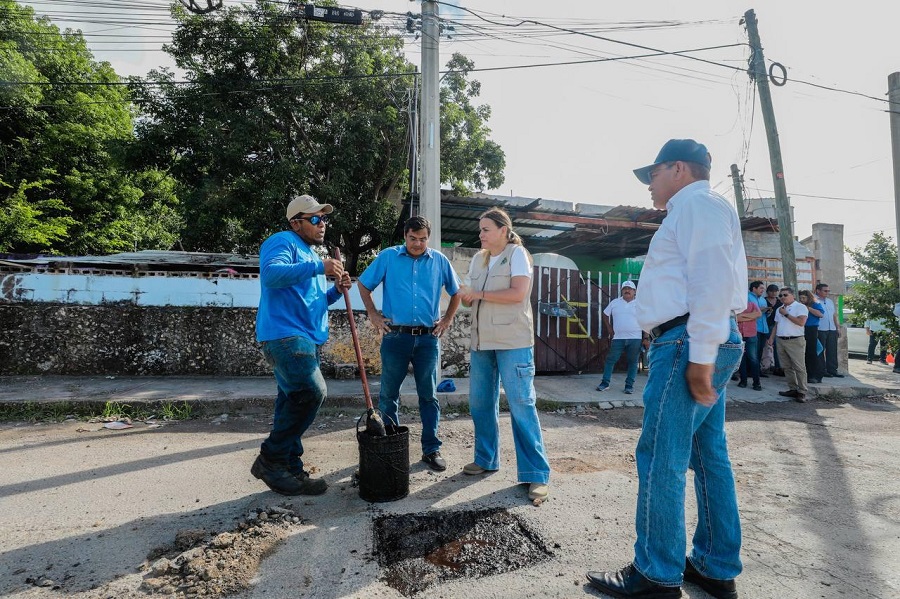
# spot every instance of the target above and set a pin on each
(499, 326)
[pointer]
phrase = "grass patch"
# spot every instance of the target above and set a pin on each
(58, 411)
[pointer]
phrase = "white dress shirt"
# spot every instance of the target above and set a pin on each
(826, 323)
(696, 263)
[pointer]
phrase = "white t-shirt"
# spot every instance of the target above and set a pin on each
(518, 263)
(786, 328)
(624, 321)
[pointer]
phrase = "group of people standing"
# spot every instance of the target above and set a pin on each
(802, 337)
(292, 325)
(693, 284)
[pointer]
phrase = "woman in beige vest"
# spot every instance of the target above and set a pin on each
(502, 347)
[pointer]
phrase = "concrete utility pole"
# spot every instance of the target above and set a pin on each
(430, 182)
(782, 204)
(736, 180)
(894, 107)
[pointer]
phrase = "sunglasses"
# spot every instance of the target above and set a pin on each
(784, 294)
(314, 220)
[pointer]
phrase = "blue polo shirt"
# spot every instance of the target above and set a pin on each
(762, 326)
(293, 300)
(412, 286)
(813, 321)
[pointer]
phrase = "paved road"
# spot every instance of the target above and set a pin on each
(819, 486)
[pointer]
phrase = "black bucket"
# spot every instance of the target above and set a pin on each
(383, 464)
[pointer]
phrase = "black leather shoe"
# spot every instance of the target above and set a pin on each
(628, 582)
(720, 589)
(435, 461)
(757, 387)
(837, 375)
(742, 384)
(800, 397)
(789, 393)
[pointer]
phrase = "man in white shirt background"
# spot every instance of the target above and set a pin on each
(622, 327)
(790, 319)
(829, 331)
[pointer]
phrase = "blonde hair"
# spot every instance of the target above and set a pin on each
(501, 219)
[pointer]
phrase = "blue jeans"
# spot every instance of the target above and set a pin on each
(679, 433)
(632, 350)
(397, 351)
(301, 391)
(515, 367)
(750, 361)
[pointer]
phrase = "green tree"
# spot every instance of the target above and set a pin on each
(876, 290)
(468, 157)
(64, 127)
(271, 106)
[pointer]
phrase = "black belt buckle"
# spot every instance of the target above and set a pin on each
(414, 331)
(668, 325)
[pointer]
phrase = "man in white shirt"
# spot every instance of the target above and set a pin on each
(622, 327)
(790, 319)
(875, 329)
(829, 331)
(692, 283)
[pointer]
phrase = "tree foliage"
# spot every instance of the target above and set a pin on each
(272, 106)
(64, 186)
(877, 289)
(468, 156)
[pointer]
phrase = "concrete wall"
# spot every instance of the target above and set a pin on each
(124, 339)
(827, 245)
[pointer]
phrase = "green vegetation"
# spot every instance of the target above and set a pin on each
(59, 411)
(876, 289)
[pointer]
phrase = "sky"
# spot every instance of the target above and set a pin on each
(575, 132)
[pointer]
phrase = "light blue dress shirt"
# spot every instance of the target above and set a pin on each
(412, 285)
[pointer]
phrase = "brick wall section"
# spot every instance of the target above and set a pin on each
(124, 339)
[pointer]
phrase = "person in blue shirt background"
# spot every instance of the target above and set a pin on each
(291, 326)
(413, 276)
(815, 360)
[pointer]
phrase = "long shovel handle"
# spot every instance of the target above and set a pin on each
(353, 333)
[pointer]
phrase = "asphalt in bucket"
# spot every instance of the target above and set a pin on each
(418, 551)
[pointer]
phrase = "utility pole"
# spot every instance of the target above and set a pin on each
(894, 108)
(782, 204)
(430, 182)
(736, 180)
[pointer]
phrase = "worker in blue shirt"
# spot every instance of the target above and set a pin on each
(291, 325)
(412, 275)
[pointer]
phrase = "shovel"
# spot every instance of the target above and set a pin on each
(374, 424)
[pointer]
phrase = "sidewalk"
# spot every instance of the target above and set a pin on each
(228, 393)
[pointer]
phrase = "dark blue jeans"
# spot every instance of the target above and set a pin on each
(398, 351)
(829, 341)
(301, 391)
(750, 361)
(632, 350)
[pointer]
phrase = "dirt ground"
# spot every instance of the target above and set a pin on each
(89, 512)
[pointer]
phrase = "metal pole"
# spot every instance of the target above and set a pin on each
(738, 192)
(430, 182)
(782, 204)
(894, 107)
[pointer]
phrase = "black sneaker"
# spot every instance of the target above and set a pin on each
(435, 461)
(279, 479)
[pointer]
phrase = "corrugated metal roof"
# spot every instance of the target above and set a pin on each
(606, 232)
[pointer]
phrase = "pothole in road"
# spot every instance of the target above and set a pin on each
(420, 550)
